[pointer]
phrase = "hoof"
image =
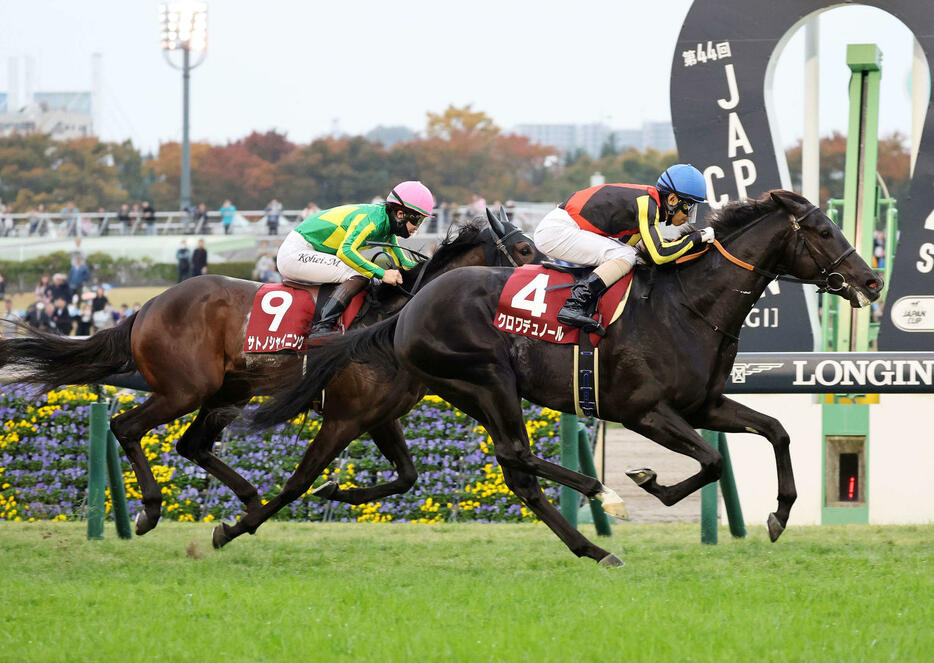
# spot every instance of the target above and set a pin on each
(220, 537)
(775, 527)
(641, 476)
(611, 560)
(144, 523)
(325, 490)
(613, 504)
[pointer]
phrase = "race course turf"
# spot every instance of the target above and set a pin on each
(459, 592)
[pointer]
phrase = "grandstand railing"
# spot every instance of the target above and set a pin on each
(246, 222)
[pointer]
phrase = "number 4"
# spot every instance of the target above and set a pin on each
(536, 287)
(279, 309)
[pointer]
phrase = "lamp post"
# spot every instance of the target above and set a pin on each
(184, 27)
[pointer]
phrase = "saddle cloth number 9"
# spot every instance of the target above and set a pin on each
(279, 310)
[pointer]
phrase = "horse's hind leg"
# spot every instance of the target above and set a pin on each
(666, 427)
(732, 417)
(197, 443)
(129, 429)
(391, 442)
(333, 436)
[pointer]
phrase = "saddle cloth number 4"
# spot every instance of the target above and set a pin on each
(536, 288)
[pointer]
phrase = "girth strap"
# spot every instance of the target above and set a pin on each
(586, 377)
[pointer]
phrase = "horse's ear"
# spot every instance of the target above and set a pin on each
(785, 200)
(495, 224)
(503, 217)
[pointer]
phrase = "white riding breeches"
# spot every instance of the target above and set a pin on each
(558, 236)
(298, 260)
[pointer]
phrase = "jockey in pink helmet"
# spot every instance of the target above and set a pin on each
(325, 247)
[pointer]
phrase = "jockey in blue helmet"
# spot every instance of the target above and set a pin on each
(601, 225)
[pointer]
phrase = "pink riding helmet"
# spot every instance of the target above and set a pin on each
(412, 195)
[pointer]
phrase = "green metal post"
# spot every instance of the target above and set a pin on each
(709, 499)
(570, 460)
(891, 236)
(97, 470)
(734, 512)
(859, 186)
(588, 467)
(117, 489)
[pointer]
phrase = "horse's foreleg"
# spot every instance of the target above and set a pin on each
(527, 488)
(333, 436)
(197, 443)
(391, 442)
(729, 416)
(492, 399)
(666, 427)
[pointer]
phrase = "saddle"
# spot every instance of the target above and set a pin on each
(282, 315)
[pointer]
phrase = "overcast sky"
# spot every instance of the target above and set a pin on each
(304, 67)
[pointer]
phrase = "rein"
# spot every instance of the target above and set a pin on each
(831, 281)
(421, 271)
(500, 246)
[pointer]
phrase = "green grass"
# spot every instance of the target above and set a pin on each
(360, 592)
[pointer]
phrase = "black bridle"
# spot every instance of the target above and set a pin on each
(829, 281)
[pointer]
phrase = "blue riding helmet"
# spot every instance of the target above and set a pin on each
(685, 181)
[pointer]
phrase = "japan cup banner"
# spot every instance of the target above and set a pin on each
(282, 316)
(529, 307)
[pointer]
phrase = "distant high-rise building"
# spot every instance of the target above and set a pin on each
(591, 138)
(389, 136)
(62, 115)
(658, 135)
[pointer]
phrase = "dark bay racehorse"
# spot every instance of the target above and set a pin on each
(188, 345)
(663, 365)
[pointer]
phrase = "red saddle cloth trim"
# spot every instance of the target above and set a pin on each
(295, 310)
(527, 308)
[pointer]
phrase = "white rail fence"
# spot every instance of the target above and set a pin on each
(246, 222)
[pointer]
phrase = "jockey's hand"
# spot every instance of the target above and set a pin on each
(392, 277)
(706, 235)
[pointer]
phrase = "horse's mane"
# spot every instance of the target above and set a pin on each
(458, 240)
(734, 215)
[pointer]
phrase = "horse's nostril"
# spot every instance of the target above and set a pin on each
(874, 284)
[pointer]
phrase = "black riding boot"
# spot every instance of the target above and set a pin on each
(582, 303)
(336, 303)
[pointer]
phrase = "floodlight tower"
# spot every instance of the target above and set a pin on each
(184, 27)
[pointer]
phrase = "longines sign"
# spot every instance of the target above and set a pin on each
(828, 372)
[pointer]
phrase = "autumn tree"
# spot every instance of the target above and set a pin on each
(893, 165)
(36, 169)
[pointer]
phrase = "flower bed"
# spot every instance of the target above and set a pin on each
(43, 464)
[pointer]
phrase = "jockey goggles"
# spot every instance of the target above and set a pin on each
(410, 215)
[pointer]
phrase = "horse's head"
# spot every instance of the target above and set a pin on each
(817, 251)
(510, 242)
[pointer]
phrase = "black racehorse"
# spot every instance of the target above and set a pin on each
(188, 345)
(663, 365)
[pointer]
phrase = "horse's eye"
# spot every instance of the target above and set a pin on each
(825, 233)
(525, 251)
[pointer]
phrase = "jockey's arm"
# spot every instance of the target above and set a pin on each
(399, 256)
(349, 251)
(660, 250)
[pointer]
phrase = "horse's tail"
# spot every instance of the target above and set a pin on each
(371, 345)
(52, 360)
